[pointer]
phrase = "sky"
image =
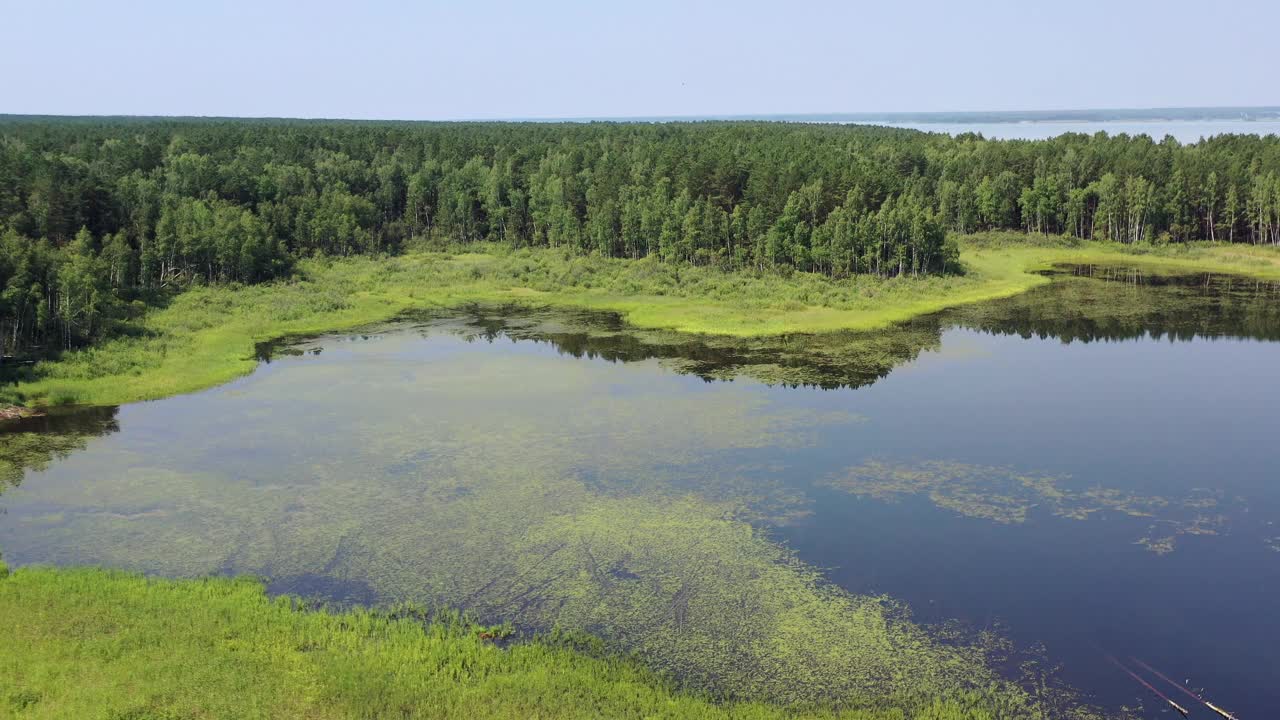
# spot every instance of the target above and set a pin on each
(484, 59)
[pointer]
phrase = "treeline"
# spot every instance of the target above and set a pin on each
(97, 212)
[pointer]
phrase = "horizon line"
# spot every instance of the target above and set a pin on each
(887, 115)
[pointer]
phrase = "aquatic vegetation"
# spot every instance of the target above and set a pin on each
(101, 643)
(691, 592)
(993, 493)
(484, 483)
(1006, 495)
(1158, 544)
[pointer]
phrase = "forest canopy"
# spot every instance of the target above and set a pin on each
(97, 213)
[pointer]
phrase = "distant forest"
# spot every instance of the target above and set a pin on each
(98, 212)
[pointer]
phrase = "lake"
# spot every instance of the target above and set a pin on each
(1084, 471)
(1185, 131)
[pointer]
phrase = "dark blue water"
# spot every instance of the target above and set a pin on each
(1161, 418)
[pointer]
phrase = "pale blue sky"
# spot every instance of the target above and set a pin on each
(572, 58)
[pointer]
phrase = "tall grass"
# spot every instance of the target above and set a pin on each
(86, 643)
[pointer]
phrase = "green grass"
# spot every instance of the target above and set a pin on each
(206, 336)
(87, 643)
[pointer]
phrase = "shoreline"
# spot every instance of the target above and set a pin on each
(207, 336)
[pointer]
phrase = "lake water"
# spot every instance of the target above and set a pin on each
(1088, 470)
(1185, 131)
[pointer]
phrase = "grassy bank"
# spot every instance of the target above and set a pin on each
(206, 336)
(93, 643)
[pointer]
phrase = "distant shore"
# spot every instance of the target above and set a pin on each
(207, 335)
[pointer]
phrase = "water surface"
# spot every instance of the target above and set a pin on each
(1089, 467)
(1185, 131)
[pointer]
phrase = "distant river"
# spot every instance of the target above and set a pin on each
(1185, 131)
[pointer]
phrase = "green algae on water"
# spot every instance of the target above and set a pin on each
(1006, 495)
(523, 489)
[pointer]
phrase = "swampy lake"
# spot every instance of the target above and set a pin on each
(1086, 470)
